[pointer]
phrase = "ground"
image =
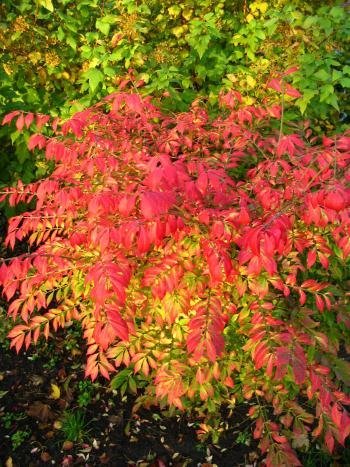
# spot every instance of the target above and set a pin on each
(45, 402)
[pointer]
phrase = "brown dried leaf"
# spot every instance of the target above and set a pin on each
(45, 456)
(67, 445)
(40, 411)
(104, 458)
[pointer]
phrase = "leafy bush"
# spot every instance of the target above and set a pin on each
(206, 256)
(60, 58)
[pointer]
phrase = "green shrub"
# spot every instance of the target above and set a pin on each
(58, 58)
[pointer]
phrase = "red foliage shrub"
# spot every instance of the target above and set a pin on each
(212, 284)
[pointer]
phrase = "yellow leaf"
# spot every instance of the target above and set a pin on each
(55, 392)
(263, 7)
(233, 78)
(174, 10)
(247, 100)
(187, 13)
(46, 4)
(251, 81)
(178, 31)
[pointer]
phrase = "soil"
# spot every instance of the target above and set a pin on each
(31, 412)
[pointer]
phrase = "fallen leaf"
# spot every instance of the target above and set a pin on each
(62, 403)
(67, 445)
(116, 419)
(104, 458)
(55, 392)
(45, 456)
(9, 462)
(68, 460)
(62, 373)
(57, 424)
(37, 380)
(86, 449)
(40, 411)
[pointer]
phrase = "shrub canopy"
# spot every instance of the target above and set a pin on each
(206, 257)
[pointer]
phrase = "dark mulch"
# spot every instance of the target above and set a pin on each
(30, 432)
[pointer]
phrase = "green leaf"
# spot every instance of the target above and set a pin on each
(336, 74)
(322, 75)
(345, 82)
(260, 34)
(303, 102)
(14, 136)
(337, 12)
(103, 26)
(123, 388)
(326, 91)
(326, 25)
(200, 44)
(132, 385)
(95, 77)
(333, 101)
(108, 71)
(342, 369)
(120, 378)
(71, 42)
(309, 21)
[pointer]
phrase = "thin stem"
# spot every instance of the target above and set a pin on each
(282, 112)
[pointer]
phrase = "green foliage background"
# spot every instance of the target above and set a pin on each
(59, 56)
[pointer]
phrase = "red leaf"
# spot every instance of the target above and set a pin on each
(260, 354)
(336, 200)
(311, 258)
(36, 140)
(329, 440)
(291, 70)
(118, 324)
(134, 102)
(292, 92)
(275, 84)
(126, 205)
(20, 122)
(41, 120)
(154, 204)
(144, 241)
(343, 143)
(28, 119)
(298, 364)
(10, 116)
(319, 302)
